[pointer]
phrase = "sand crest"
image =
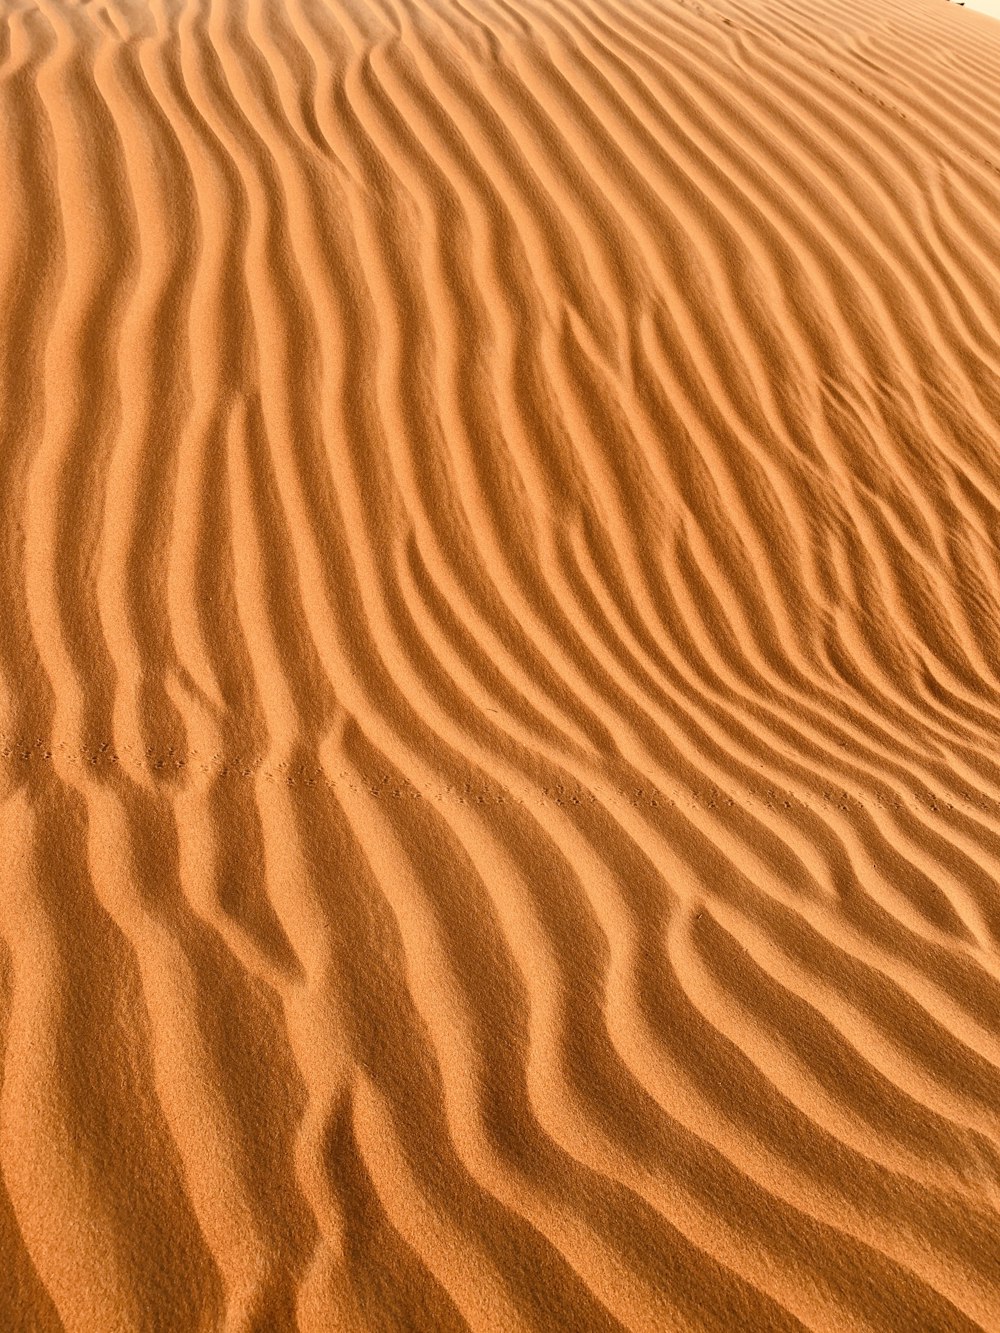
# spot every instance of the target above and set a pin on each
(499, 665)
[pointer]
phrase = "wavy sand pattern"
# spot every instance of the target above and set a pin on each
(499, 665)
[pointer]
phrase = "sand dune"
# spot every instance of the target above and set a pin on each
(499, 665)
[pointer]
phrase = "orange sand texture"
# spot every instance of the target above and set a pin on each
(499, 665)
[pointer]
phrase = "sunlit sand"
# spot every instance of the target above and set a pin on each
(499, 640)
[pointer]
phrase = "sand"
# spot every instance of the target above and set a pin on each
(499, 665)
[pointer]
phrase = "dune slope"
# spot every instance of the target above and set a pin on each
(499, 665)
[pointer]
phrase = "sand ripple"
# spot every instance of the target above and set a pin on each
(499, 665)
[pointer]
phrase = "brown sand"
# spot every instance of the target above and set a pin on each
(499, 665)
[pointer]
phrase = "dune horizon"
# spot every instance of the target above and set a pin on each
(499, 666)
(989, 7)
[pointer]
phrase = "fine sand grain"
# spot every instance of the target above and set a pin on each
(499, 665)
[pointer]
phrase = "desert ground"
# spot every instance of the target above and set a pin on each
(499, 666)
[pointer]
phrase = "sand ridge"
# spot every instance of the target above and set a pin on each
(498, 665)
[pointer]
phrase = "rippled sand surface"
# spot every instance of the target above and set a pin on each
(499, 666)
